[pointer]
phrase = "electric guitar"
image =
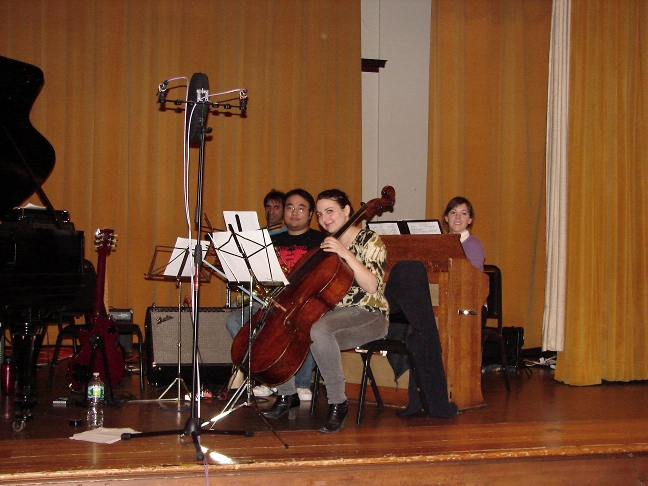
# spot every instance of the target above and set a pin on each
(102, 328)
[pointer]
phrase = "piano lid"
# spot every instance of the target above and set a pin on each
(26, 157)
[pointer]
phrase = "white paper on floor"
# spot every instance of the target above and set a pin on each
(102, 435)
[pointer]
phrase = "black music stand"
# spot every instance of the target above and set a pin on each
(247, 255)
(179, 268)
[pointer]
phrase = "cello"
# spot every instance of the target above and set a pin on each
(281, 329)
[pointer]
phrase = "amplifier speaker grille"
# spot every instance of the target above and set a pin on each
(214, 342)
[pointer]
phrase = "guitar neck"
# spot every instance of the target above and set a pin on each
(99, 306)
(104, 240)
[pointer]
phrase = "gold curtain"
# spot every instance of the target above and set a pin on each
(119, 156)
(488, 105)
(606, 335)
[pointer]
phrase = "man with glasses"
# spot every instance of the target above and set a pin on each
(300, 237)
(290, 246)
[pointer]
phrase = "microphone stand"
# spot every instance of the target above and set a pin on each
(192, 426)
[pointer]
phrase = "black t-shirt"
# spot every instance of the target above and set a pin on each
(290, 248)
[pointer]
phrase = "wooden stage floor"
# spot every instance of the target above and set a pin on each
(543, 432)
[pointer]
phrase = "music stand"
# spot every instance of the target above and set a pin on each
(247, 255)
(179, 267)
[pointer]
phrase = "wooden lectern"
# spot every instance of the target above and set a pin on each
(463, 289)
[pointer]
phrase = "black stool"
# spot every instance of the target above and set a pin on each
(71, 331)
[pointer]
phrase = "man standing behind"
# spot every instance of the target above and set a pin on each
(274, 211)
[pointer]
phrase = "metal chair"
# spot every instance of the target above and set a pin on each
(367, 351)
(493, 310)
(82, 305)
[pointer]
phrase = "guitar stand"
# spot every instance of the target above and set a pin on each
(97, 342)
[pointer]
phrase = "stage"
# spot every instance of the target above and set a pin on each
(542, 432)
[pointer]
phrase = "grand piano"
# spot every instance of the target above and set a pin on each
(462, 291)
(41, 254)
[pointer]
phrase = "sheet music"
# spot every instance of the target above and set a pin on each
(261, 254)
(384, 227)
(178, 257)
(406, 227)
(424, 227)
(241, 220)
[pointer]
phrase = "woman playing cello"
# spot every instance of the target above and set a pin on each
(359, 317)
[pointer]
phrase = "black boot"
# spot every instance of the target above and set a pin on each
(283, 404)
(335, 420)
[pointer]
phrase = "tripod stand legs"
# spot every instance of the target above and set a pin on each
(191, 429)
(232, 405)
(182, 387)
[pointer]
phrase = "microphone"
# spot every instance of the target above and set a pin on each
(197, 103)
(243, 98)
(162, 92)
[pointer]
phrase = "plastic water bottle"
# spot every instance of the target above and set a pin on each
(95, 402)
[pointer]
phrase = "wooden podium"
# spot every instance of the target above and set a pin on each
(462, 292)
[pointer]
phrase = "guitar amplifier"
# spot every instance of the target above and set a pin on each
(123, 316)
(165, 328)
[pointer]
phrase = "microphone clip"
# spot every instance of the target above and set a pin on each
(202, 95)
(243, 100)
(162, 92)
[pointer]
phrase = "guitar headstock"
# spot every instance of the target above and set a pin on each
(105, 240)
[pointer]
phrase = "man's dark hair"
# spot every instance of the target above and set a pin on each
(305, 194)
(274, 195)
